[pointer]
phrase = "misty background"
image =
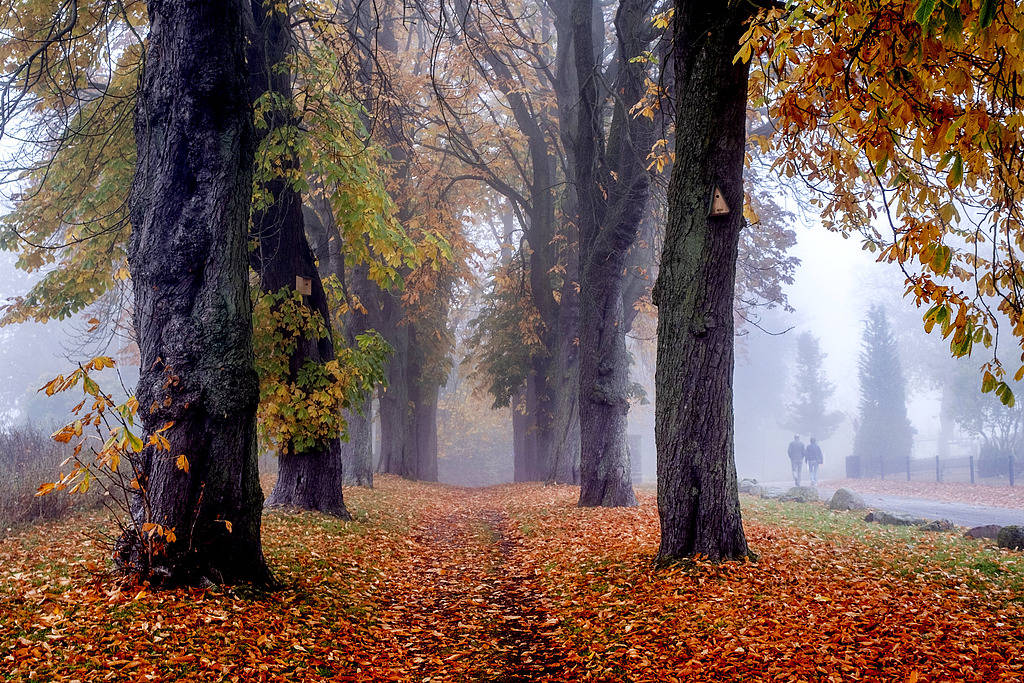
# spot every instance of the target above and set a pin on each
(835, 283)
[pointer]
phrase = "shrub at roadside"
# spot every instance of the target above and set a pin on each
(29, 457)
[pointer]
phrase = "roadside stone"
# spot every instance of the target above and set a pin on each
(801, 494)
(747, 486)
(771, 492)
(1011, 537)
(895, 519)
(988, 531)
(938, 525)
(845, 499)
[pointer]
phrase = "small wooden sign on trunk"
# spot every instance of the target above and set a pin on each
(719, 207)
(304, 285)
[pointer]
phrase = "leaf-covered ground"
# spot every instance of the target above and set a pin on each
(514, 583)
(973, 494)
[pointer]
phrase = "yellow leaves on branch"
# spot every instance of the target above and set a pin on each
(101, 422)
(301, 409)
(151, 530)
(904, 118)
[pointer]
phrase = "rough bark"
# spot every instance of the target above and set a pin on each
(395, 415)
(562, 448)
(188, 257)
(520, 436)
(612, 190)
(697, 496)
(357, 451)
(425, 426)
(309, 479)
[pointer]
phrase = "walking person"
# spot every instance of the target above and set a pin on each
(796, 458)
(813, 456)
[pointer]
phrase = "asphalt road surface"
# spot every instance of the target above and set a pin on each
(960, 514)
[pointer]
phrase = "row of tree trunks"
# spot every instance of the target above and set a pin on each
(188, 257)
(395, 416)
(309, 479)
(357, 448)
(697, 496)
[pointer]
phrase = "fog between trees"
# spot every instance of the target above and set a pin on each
(321, 218)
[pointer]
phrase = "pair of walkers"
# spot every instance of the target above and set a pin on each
(798, 453)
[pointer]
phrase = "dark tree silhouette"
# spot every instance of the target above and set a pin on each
(808, 413)
(698, 500)
(310, 478)
(189, 263)
(884, 435)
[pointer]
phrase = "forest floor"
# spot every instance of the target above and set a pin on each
(514, 583)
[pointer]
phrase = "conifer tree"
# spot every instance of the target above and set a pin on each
(808, 414)
(884, 435)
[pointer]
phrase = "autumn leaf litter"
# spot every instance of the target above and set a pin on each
(514, 583)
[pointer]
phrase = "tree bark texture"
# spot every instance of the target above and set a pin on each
(396, 432)
(309, 479)
(520, 436)
(357, 451)
(562, 435)
(612, 190)
(697, 496)
(188, 257)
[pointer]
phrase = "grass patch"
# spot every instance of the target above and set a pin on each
(909, 551)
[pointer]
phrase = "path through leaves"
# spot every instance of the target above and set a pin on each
(514, 583)
(467, 608)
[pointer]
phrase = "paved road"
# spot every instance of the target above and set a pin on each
(960, 514)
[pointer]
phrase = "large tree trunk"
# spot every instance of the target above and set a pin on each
(357, 448)
(563, 449)
(395, 415)
(188, 257)
(612, 190)
(310, 479)
(520, 437)
(425, 429)
(357, 451)
(697, 497)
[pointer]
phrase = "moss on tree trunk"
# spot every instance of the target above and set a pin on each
(697, 495)
(188, 258)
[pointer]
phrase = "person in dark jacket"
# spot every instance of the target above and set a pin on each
(796, 458)
(812, 454)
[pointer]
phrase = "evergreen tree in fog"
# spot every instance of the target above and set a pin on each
(884, 435)
(808, 414)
